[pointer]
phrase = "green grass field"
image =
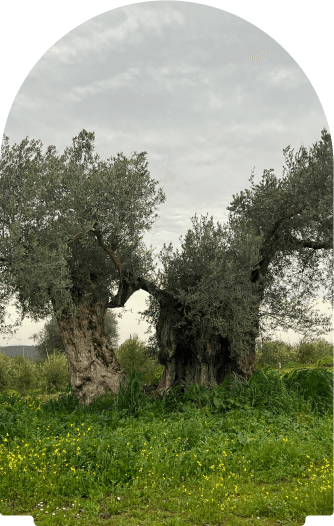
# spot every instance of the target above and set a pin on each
(256, 453)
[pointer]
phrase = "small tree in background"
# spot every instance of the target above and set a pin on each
(23, 375)
(311, 351)
(307, 351)
(132, 355)
(274, 353)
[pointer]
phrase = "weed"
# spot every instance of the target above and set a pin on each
(194, 456)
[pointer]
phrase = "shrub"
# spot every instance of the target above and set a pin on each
(53, 373)
(132, 356)
(4, 372)
(326, 360)
(312, 351)
(23, 374)
(273, 353)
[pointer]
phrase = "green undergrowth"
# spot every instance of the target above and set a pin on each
(243, 453)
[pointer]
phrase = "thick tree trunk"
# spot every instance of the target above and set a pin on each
(93, 366)
(201, 360)
(188, 358)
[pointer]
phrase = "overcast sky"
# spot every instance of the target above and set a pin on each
(207, 94)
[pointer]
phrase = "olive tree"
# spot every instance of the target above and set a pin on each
(49, 338)
(260, 270)
(72, 245)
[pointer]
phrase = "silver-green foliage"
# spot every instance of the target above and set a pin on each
(132, 356)
(24, 375)
(306, 352)
(262, 269)
(311, 352)
(56, 210)
(73, 226)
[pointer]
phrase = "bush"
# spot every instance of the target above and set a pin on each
(132, 356)
(16, 372)
(53, 373)
(307, 352)
(4, 372)
(23, 375)
(273, 353)
(312, 351)
(326, 360)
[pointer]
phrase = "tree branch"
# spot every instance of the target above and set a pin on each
(316, 245)
(78, 236)
(107, 249)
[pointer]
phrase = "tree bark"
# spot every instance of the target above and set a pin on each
(188, 358)
(92, 364)
(199, 359)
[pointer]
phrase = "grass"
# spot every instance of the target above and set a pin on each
(255, 453)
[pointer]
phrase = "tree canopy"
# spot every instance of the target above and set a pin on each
(72, 232)
(64, 217)
(264, 267)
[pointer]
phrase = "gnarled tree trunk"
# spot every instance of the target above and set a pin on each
(204, 360)
(93, 366)
(188, 357)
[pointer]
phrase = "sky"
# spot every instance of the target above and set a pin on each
(207, 94)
